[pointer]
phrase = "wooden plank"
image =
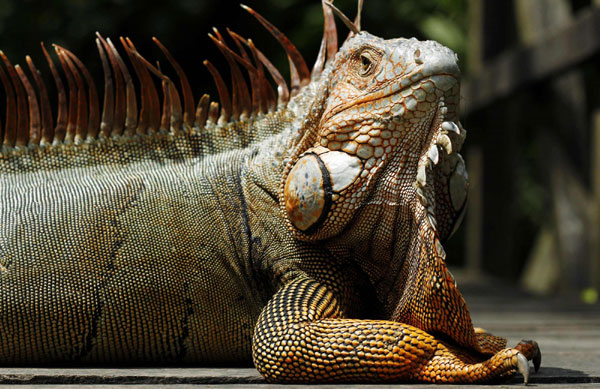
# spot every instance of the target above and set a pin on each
(567, 331)
(126, 376)
(524, 65)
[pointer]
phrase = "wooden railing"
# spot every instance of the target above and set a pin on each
(492, 83)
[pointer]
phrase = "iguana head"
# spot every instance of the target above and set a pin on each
(387, 136)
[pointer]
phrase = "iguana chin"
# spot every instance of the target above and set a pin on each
(301, 232)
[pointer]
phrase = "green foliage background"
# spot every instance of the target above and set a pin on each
(183, 25)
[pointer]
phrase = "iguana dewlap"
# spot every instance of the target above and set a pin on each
(300, 230)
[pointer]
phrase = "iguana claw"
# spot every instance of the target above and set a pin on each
(537, 357)
(523, 367)
(537, 361)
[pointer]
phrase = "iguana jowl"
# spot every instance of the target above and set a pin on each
(303, 233)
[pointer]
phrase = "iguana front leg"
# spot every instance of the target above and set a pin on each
(303, 336)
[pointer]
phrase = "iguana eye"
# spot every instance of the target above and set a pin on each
(366, 63)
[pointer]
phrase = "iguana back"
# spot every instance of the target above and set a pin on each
(106, 266)
(128, 247)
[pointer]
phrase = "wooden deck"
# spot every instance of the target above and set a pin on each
(568, 333)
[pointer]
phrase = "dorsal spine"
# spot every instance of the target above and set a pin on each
(29, 122)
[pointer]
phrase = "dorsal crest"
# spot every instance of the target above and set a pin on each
(160, 105)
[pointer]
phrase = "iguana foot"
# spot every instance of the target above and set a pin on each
(455, 365)
(490, 344)
(531, 350)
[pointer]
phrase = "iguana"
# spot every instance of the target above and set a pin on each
(301, 230)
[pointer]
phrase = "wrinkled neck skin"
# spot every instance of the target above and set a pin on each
(389, 223)
(396, 246)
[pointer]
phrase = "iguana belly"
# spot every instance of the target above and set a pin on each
(107, 266)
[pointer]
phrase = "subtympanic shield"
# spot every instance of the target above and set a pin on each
(307, 193)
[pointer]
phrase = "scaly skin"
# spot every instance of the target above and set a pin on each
(308, 239)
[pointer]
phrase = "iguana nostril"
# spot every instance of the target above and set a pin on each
(417, 55)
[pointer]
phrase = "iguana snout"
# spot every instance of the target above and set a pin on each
(387, 100)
